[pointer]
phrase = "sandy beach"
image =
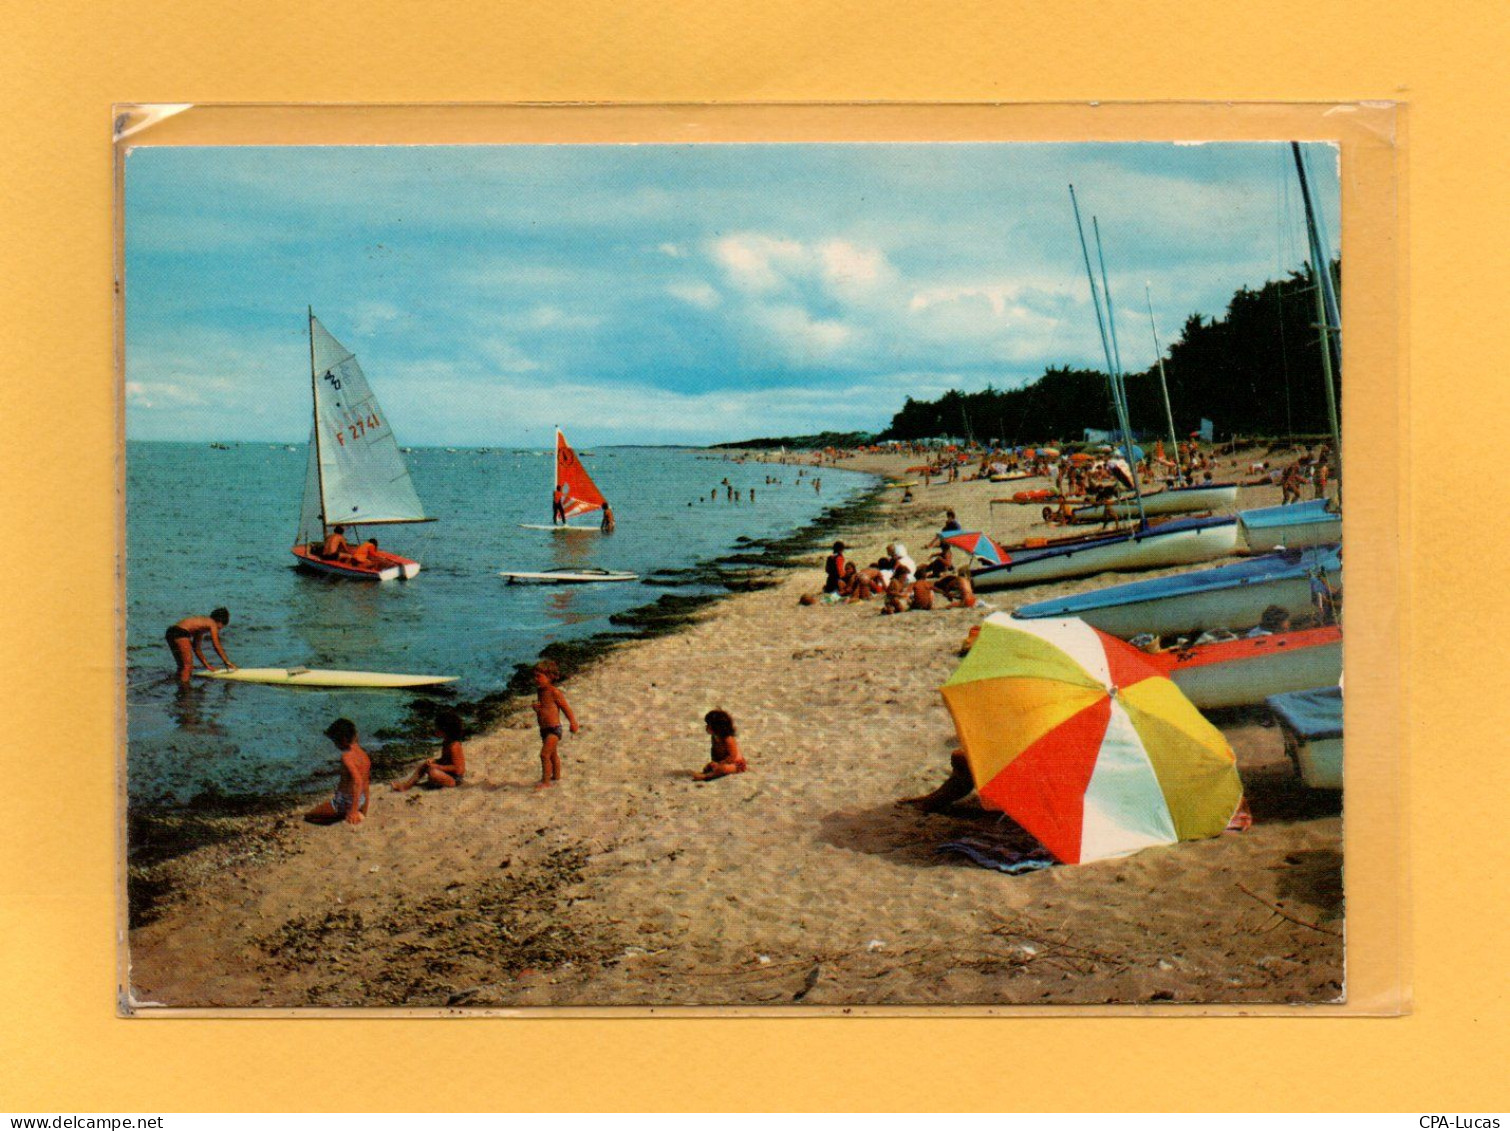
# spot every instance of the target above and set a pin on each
(799, 883)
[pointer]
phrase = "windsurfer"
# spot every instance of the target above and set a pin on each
(608, 520)
(558, 505)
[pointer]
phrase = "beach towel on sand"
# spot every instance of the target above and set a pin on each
(998, 857)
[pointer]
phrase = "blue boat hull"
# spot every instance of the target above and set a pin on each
(1226, 596)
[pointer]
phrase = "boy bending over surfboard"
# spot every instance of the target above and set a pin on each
(185, 637)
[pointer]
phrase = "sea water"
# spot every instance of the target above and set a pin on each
(208, 526)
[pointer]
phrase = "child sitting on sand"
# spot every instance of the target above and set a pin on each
(960, 588)
(451, 767)
(723, 748)
(922, 595)
(349, 802)
(896, 591)
(548, 705)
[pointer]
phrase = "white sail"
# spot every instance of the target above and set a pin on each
(362, 476)
(311, 520)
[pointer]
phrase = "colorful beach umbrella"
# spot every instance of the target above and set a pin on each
(973, 542)
(1078, 738)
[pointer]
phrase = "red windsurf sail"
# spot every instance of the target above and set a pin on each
(581, 493)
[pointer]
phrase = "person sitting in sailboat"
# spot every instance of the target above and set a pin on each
(335, 547)
(367, 554)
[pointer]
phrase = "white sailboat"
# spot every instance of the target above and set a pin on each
(355, 477)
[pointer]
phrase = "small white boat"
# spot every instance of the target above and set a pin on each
(1313, 523)
(1182, 542)
(1312, 725)
(311, 677)
(1175, 500)
(567, 576)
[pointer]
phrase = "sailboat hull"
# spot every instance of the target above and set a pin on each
(563, 528)
(1175, 500)
(1177, 543)
(1290, 527)
(391, 567)
(1239, 673)
(1312, 724)
(1224, 596)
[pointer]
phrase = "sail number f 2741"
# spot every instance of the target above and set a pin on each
(356, 429)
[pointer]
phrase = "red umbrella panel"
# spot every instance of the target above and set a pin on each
(980, 545)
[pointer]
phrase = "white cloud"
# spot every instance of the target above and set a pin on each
(847, 267)
(674, 250)
(756, 262)
(701, 295)
(800, 336)
(554, 318)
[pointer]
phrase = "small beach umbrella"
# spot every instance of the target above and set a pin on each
(973, 542)
(1077, 737)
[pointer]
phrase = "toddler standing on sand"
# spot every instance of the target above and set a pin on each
(723, 749)
(548, 705)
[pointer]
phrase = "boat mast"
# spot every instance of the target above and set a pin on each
(314, 405)
(1158, 350)
(1327, 315)
(1117, 399)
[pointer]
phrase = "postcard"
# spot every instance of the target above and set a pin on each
(818, 575)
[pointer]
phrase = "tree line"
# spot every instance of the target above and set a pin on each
(1255, 370)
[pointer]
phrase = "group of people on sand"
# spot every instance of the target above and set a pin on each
(352, 797)
(900, 583)
(1315, 468)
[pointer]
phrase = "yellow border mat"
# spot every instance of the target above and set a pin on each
(65, 1046)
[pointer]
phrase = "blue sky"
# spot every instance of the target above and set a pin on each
(668, 294)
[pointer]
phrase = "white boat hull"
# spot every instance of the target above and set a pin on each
(1319, 761)
(561, 528)
(1232, 595)
(1241, 682)
(1154, 549)
(1179, 500)
(1310, 527)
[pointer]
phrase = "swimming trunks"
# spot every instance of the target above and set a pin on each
(341, 803)
(546, 732)
(176, 633)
